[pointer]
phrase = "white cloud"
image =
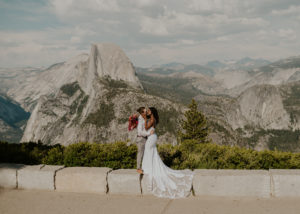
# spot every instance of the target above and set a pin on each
(154, 31)
(78, 7)
(75, 39)
(291, 10)
(144, 3)
(177, 24)
(155, 27)
(229, 7)
(207, 5)
(287, 34)
(223, 38)
(187, 42)
(61, 7)
(34, 48)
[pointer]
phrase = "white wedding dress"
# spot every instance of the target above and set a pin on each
(161, 180)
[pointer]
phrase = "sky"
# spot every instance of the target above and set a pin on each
(151, 32)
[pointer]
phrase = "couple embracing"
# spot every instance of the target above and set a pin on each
(161, 180)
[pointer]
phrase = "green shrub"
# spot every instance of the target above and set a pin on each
(55, 156)
(213, 156)
(115, 155)
(189, 154)
(26, 153)
(170, 155)
(118, 155)
(77, 154)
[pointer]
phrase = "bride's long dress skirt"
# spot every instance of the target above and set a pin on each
(161, 180)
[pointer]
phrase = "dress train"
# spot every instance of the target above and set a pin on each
(161, 180)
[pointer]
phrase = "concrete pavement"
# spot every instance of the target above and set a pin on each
(15, 201)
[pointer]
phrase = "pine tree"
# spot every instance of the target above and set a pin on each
(195, 125)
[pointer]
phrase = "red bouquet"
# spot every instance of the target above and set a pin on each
(132, 122)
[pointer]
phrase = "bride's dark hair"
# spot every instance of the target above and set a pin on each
(155, 114)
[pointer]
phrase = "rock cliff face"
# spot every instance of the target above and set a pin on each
(47, 81)
(262, 117)
(110, 60)
(104, 60)
(96, 95)
(259, 106)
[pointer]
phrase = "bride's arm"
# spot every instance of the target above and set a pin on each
(149, 124)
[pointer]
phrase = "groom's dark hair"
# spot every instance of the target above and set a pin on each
(140, 110)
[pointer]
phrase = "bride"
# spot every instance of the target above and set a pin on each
(161, 180)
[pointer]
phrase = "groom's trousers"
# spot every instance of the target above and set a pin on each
(141, 141)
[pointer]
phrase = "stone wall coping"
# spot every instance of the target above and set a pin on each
(124, 171)
(31, 167)
(229, 172)
(51, 167)
(285, 171)
(78, 169)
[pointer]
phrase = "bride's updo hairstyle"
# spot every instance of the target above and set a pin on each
(155, 114)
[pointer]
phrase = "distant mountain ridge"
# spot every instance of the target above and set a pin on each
(231, 77)
(246, 63)
(210, 67)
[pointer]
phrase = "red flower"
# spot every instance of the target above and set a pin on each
(132, 122)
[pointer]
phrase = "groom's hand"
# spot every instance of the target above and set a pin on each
(152, 131)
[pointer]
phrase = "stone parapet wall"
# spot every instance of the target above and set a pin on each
(102, 180)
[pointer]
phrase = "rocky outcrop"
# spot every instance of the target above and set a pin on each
(96, 105)
(104, 60)
(74, 117)
(108, 59)
(260, 106)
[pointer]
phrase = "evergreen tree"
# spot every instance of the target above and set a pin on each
(195, 125)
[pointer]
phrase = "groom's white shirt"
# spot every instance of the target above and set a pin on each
(141, 127)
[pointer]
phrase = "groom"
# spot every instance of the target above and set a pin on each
(142, 135)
